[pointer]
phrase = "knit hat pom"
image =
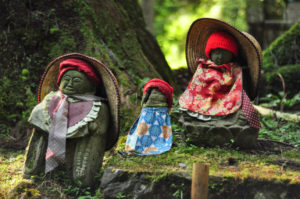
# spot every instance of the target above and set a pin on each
(221, 40)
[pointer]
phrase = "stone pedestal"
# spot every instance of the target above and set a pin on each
(232, 129)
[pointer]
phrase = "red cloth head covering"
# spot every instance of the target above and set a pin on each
(79, 65)
(221, 40)
(163, 86)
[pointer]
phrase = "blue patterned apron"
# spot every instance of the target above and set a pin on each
(151, 133)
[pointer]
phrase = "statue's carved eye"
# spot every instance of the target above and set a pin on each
(66, 78)
(77, 80)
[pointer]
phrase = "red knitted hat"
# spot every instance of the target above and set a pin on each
(163, 86)
(221, 40)
(79, 65)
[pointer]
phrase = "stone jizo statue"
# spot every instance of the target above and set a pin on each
(74, 125)
(151, 133)
(216, 109)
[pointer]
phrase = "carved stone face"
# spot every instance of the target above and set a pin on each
(75, 82)
(221, 56)
(155, 98)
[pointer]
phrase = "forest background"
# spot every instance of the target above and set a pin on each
(29, 44)
(33, 33)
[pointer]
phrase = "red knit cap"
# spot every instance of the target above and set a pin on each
(79, 65)
(163, 86)
(221, 40)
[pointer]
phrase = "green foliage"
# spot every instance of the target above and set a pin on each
(61, 183)
(191, 149)
(81, 193)
(256, 165)
(275, 129)
(127, 117)
(290, 75)
(284, 50)
(175, 114)
(65, 43)
(13, 107)
(28, 44)
(140, 82)
(11, 169)
(274, 9)
(275, 101)
(234, 12)
(121, 195)
(280, 130)
(282, 57)
(179, 190)
(121, 143)
(173, 19)
(98, 195)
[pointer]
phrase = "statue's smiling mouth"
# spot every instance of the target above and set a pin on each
(69, 88)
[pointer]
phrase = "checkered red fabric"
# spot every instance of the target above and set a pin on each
(250, 112)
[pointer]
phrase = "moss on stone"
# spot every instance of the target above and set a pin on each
(290, 74)
(111, 31)
(282, 57)
(284, 50)
(260, 166)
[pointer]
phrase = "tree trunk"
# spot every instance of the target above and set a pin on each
(148, 10)
(33, 33)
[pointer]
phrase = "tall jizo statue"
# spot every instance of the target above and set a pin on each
(76, 120)
(216, 109)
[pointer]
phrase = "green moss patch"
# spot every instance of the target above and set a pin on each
(281, 58)
(290, 75)
(284, 50)
(11, 165)
(223, 162)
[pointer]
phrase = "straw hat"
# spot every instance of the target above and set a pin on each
(249, 49)
(110, 83)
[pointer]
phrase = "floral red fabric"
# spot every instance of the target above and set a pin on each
(214, 89)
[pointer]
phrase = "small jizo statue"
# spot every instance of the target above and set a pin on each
(216, 107)
(151, 133)
(73, 125)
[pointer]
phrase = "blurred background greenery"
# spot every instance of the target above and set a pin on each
(172, 18)
(28, 44)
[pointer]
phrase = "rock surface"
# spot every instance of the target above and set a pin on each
(145, 185)
(229, 130)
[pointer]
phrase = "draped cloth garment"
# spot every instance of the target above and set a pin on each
(151, 133)
(216, 90)
(63, 119)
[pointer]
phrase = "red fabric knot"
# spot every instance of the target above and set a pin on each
(79, 65)
(163, 86)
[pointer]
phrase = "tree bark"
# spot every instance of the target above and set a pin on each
(33, 33)
(148, 10)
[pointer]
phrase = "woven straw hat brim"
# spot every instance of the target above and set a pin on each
(48, 84)
(249, 48)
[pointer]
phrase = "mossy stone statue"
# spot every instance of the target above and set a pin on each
(216, 109)
(76, 120)
(151, 133)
